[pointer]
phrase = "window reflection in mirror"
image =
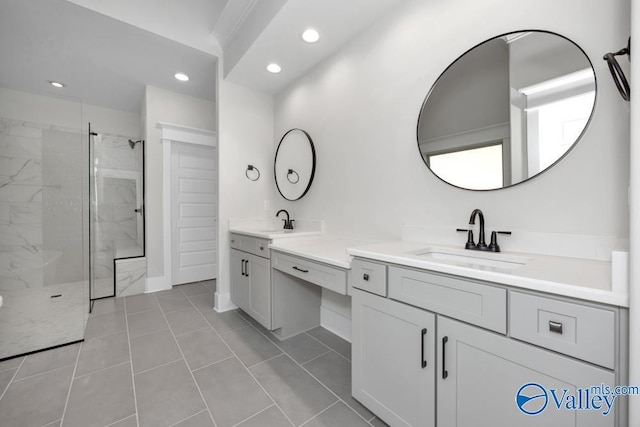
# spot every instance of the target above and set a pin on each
(473, 168)
(506, 110)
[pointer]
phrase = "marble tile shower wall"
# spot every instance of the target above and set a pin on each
(116, 198)
(41, 205)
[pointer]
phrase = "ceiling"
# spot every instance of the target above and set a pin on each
(337, 21)
(102, 61)
(106, 52)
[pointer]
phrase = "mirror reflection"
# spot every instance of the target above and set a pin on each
(506, 110)
(295, 164)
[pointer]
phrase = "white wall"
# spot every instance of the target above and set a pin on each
(245, 138)
(361, 107)
(161, 105)
(67, 112)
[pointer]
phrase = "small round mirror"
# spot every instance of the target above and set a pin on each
(506, 110)
(295, 164)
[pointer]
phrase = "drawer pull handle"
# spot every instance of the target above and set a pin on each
(233, 241)
(445, 373)
(424, 362)
(555, 327)
(299, 269)
(242, 266)
(262, 248)
(246, 268)
(365, 277)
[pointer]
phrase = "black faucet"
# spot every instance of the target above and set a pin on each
(288, 223)
(481, 245)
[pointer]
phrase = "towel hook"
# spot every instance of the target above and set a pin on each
(252, 168)
(616, 71)
(292, 172)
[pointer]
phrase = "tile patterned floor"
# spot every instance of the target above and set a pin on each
(168, 359)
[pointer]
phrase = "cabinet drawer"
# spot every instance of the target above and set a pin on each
(584, 332)
(332, 278)
(253, 245)
(369, 276)
(461, 299)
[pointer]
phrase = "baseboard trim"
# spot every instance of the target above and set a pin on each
(336, 323)
(156, 284)
(222, 302)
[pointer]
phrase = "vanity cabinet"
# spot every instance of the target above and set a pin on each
(393, 371)
(482, 343)
(480, 373)
(251, 277)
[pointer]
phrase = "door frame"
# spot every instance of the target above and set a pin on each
(170, 133)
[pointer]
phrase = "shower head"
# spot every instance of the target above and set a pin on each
(133, 143)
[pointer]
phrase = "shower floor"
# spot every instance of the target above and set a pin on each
(31, 320)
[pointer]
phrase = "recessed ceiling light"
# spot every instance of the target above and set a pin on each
(273, 68)
(310, 35)
(56, 84)
(182, 77)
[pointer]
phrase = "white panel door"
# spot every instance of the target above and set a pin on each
(193, 213)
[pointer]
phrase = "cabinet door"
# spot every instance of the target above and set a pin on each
(258, 274)
(393, 366)
(480, 373)
(239, 282)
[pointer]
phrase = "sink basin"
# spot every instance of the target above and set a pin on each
(277, 231)
(473, 259)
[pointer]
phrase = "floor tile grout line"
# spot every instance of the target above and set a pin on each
(12, 378)
(321, 412)
(233, 330)
(327, 345)
(318, 380)
(152, 332)
(204, 401)
(258, 413)
(105, 335)
(213, 363)
(190, 332)
(189, 417)
(17, 380)
(73, 375)
(133, 380)
(102, 369)
(143, 312)
(253, 376)
(48, 424)
(317, 357)
(156, 367)
(116, 422)
(262, 362)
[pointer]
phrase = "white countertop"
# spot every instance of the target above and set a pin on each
(573, 277)
(274, 233)
(272, 228)
(328, 250)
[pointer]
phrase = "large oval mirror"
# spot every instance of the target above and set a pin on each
(506, 110)
(295, 164)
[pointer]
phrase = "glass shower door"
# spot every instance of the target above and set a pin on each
(116, 208)
(43, 233)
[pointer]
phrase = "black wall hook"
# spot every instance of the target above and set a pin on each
(291, 173)
(252, 168)
(616, 71)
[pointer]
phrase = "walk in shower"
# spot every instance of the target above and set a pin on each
(44, 267)
(116, 215)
